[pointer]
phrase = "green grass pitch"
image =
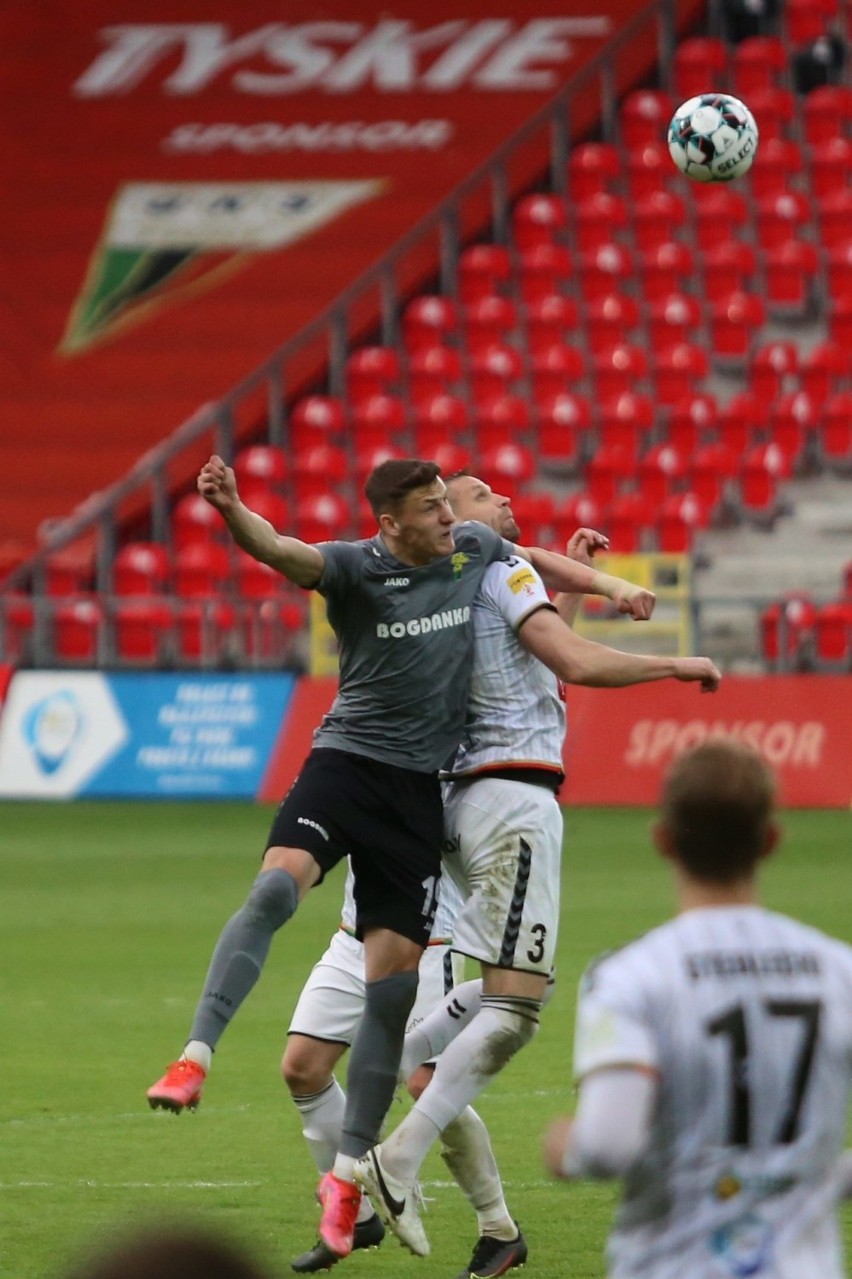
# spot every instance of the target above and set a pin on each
(108, 913)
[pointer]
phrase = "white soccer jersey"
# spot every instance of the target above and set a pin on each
(746, 1018)
(516, 713)
(449, 904)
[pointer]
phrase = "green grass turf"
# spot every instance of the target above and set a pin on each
(107, 916)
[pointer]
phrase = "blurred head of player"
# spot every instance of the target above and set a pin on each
(473, 499)
(717, 806)
(409, 500)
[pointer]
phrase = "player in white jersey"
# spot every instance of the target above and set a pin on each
(503, 843)
(714, 1056)
(321, 1029)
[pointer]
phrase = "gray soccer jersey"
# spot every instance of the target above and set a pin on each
(745, 1016)
(406, 639)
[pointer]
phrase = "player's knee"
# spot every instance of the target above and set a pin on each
(419, 1080)
(517, 1022)
(274, 896)
(303, 1075)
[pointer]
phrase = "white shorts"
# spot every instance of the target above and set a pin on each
(332, 999)
(503, 846)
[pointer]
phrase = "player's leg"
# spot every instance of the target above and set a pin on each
(301, 847)
(510, 842)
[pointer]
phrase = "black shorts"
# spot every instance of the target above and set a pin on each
(388, 820)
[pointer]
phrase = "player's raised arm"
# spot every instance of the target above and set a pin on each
(561, 574)
(298, 561)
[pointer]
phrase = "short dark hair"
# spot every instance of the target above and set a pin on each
(389, 483)
(169, 1252)
(717, 803)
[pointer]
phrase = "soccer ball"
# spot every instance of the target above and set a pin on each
(713, 138)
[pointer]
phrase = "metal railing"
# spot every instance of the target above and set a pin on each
(546, 137)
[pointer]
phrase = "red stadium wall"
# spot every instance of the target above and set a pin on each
(187, 186)
(620, 741)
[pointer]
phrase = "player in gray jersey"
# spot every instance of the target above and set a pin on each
(714, 1056)
(504, 846)
(400, 604)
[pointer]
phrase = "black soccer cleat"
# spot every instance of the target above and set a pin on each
(493, 1257)
(368, 1234)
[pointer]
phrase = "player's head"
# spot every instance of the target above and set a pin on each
(473, 499)
(717, 806)
(170, 1252)
(409, 500)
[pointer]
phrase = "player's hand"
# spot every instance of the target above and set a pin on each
(698, 670)
(554, 1144)
(217, 483)
(635, 600)
(581, 546)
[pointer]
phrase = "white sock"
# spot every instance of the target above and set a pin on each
(431, 1036)
(466, 1150)
(199, 1052)
(344, 1167)
(322, 1118)
(500, 1028)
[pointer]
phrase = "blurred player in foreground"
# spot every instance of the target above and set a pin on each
(714, 1056)
(503, 841)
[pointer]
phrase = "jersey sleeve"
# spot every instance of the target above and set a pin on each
(515, 590)
(341, 567)
(612, 1027)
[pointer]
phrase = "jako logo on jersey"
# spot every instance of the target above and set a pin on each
(423, 625)
(306, 821)
(397, 581)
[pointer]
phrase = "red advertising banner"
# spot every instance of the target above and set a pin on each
(620, 741)
(187, 185)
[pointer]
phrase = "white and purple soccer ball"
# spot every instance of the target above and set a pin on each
(713, 138)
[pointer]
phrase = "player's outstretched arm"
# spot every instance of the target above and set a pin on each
(577, 660)
(581, 546)
(298, 561)
(561, 574)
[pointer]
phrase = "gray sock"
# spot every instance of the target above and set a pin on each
(241, 952)
(374, 1060)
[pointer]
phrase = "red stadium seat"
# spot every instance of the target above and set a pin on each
(201, 569)
(727, 265)
(791, 272)
(734, 323)
(508, 464)
(444, 415)
(610, 318)
(537, 220)
(316, 469)
(657, 218)
(793, 422)
(494, 370)
(719, 212)
(840, 320)
(580, 510)
(776, 110)
(673, 319)
(834, 214)
(433, 370)
(773, 366)
(77, 623)
(605, 270)
(666, 268)
(624, 422)
(483, 269)
(825, 368)
(593, 167)
(451, 457)
(682, 516)
(144, 631)
(488, 320)
(833, 637)
(555, 368)
(834, 439)
(378, 420)
(501, 419)
(194, 520)
(709, 472)
(17, 622)
(829, 165)
(825, 112)
(806, 20)
(140, 568)
(623, 367)
(679, 371)
(700, 65)
(260, 468)
(692, 422)
(626, 519)
(787, 632)
(204, 630)
(760, 62)
(562, 421)
(550, 318)
(649, 168)
(608, 473)
(659, 473)
(367, 459)
(776, 165)
(70, 573)
(267, 629)
(742, 420)
(321, 517)
(316, 419)
(544, 271)
(762, 468)
(780, 217)
(598, 220)
(428, 320)
(372, 370)
(644, 117)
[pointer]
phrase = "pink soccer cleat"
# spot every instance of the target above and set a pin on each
(180, 1087)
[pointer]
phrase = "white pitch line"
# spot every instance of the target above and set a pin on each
(86, 1183)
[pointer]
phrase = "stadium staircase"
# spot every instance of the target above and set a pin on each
(667, 361)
